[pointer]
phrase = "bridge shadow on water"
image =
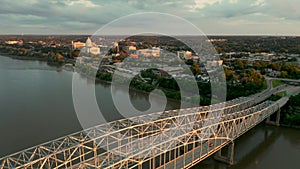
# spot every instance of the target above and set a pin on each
(248, 149)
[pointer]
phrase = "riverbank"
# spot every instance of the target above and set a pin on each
(137, 85)
(290, 126)
(50, 62)
(44, 99)
(95, 79)
(101, 81)
(22, 57)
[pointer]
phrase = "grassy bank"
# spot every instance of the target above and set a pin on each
(291, 112)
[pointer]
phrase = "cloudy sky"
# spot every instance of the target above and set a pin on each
(259, 17)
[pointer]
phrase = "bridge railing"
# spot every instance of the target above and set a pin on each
(38, 154)
(170, 137)
(228, 129)
(75, 148)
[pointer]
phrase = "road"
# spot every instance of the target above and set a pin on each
(283, 79)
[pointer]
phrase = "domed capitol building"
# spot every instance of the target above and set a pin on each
(91, 47)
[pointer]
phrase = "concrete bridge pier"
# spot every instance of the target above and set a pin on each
(276, 122)
(228, 158)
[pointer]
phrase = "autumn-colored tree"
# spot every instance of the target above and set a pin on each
(196, 69)
(240, 64)
(59, 56)
(283, 74)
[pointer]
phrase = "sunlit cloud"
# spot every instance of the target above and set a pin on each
(258, 3)
(200, 4)
(87, 16)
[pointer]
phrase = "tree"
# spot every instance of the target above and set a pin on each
(276, 66)
(59, 57)
(229, 73)
(283, 74)
(240, 64)
(195, 69)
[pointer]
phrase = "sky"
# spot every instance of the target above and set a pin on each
(213, 17)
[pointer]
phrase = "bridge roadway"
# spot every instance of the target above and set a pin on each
(141, 142)
(283, 79)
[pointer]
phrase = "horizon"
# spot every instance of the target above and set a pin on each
(208, 35)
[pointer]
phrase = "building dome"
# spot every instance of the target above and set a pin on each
(88, 42)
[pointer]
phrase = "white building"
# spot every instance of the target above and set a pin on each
(132, 48)
(14, 42)
(155, 52)
(214, 64)
(76, 45)
(91, 48)
(187, 55)
(181, 54)
(116, 46)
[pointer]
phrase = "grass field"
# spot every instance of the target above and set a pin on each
(276, 83)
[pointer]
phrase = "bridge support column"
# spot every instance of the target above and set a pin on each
(229, 157)
(276, 122)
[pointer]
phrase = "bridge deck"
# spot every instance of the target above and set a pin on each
(143, 140)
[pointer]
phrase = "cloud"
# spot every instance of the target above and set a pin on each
(258, 3)
(233, 1)
(288, 9)
(200, 4)
(87, 16)
(85, 3)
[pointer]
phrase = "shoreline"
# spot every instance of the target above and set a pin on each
(104, 82)
(22, 57)
(97, 80)
(290, 126)
(32, 59)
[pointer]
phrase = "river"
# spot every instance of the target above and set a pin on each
(36, 106)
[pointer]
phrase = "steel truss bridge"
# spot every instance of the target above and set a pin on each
(171, 139)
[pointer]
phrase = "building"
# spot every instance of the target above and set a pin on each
(14, 42)
(188, 55)
(134, 56)
(214, 64)
(181, 54)
(76, 45)
(155, 52)
(94, 50)
(131, 48)
(91, 48)
(217, 40)
(184, 55)
(116, 46)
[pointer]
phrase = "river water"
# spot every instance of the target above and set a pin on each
(36, 106)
